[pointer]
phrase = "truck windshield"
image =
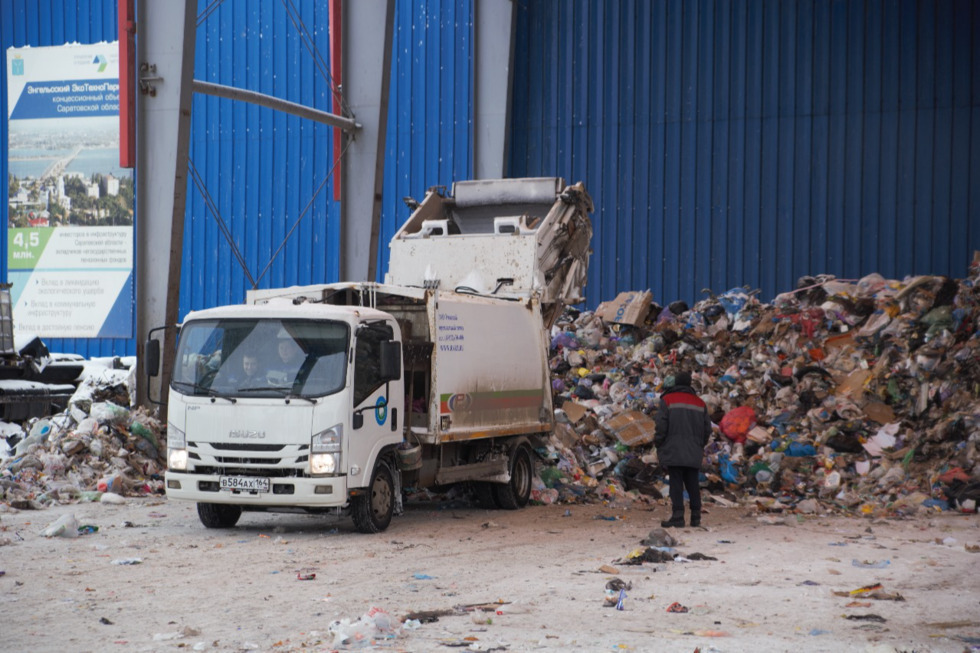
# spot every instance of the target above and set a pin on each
(261, 358)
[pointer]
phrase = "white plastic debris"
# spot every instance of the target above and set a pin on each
(64, 526)
(113, 498)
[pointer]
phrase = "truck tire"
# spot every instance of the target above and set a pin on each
(515, 493)
(218, 515)
(372, 510)
(484, 495)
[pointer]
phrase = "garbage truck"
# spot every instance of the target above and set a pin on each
(338, 397)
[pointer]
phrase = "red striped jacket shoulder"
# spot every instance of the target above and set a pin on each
(682, 398)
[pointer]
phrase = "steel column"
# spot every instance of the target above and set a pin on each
(366, 69)
(165, 34)
(492, 81)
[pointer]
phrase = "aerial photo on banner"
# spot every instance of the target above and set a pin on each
(70, 210)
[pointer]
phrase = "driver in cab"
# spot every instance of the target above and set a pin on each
(290, 359)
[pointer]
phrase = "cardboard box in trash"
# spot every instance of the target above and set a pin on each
(627, 308)
(632, 428)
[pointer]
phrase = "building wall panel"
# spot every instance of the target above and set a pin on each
(786, 138)
(265, 173)
(429, 134)
(725, 143)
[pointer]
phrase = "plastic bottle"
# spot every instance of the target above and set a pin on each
(774, 461)
(41, 429)
(37, 435)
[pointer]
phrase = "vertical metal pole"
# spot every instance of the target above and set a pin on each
(366, 42)
(492, 81)
(127, 84)
(165, 35)
(336, 10)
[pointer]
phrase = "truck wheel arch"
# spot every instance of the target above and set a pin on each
(517, 491)
(373, 508)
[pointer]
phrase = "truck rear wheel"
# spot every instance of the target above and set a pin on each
(515, 493)
(484, 495)
(218, 515)
(372, 509)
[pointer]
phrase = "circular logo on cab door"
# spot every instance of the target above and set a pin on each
(381, 410)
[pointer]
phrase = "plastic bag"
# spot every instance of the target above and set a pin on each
(737, 423)
(727, 469)
(109, 413)
(64, 526)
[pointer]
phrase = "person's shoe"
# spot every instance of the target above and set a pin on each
(695, 520)
(674, 522)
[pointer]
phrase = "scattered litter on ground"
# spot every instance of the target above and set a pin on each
(866, 617)
(96, 449)
(372, 628)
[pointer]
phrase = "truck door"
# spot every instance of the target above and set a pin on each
(377, 399)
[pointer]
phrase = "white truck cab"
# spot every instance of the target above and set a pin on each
(301, 427)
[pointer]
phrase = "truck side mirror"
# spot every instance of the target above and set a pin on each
(151, 357)
(391, 360)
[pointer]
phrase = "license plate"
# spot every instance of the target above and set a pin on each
(245, 483)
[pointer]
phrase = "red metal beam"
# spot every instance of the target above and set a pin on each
(127, 95)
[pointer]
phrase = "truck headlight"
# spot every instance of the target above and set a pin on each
(176, 439)
(324, 463)
(177, 459)
(325, 450)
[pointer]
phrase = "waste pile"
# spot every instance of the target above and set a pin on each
(846, 395)
(96, 449)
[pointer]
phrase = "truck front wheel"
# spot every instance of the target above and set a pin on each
(515, 493)
(372, 509)
(218, 515)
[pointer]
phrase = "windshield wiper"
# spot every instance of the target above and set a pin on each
(211, 392)
(287, 394)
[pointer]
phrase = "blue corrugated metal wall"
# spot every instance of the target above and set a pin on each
(753, 142)
(725, 143)
(263, 169)
(429, 140)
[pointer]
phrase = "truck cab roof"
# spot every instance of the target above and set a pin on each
(286, 308)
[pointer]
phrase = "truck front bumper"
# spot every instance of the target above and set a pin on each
(323, 492)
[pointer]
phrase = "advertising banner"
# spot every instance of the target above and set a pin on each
(70, 205)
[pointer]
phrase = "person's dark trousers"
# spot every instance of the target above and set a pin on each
(684, 478)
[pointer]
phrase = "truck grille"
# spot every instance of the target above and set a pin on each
(226, 460)
(250, 471)
(223, 446)
(252, 459)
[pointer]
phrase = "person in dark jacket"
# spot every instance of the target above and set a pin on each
(683, 429)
